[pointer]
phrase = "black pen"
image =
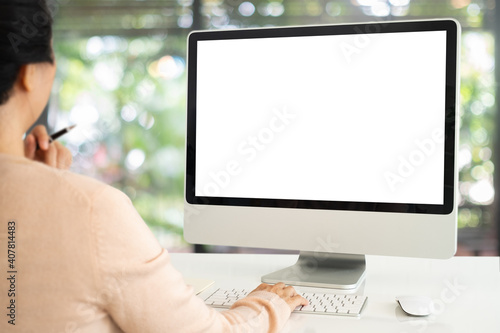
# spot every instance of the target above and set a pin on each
(58, 134)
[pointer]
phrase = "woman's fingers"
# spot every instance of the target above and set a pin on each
(30, 146)
(287, 293)
(37, 146)
(42, 138)
(48, 156)
(64, 157)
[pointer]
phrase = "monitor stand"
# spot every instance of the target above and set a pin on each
(324, 270)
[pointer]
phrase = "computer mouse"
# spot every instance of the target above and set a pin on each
(416, 305)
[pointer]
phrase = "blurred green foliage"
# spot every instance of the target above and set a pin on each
(127, 90)
(140, 108)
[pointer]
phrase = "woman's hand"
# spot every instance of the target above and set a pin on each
(288, 294)
(53, 154)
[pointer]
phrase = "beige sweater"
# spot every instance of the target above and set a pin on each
(83, 260)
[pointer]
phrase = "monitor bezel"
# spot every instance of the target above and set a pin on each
(451, 28)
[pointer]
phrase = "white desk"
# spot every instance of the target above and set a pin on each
(472, 307)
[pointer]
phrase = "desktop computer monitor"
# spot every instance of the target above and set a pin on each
(338, 141)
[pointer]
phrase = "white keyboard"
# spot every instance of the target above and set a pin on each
(319, 303)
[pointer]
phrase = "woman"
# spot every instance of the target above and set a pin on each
(82, 259)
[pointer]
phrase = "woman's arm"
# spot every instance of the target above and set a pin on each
(145, 293)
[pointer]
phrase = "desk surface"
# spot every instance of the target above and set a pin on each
(465, 290)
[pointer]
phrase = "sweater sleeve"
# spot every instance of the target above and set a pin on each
(142, 291)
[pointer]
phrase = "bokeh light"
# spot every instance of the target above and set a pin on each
(482, 192)
(134, 160)
(246, 9)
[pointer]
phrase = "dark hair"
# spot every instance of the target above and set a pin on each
(25, 38)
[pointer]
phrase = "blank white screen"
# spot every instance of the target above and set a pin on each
(340, 118)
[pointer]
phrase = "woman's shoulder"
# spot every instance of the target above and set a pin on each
(72, 183)
(53, 184)
(89, 189)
